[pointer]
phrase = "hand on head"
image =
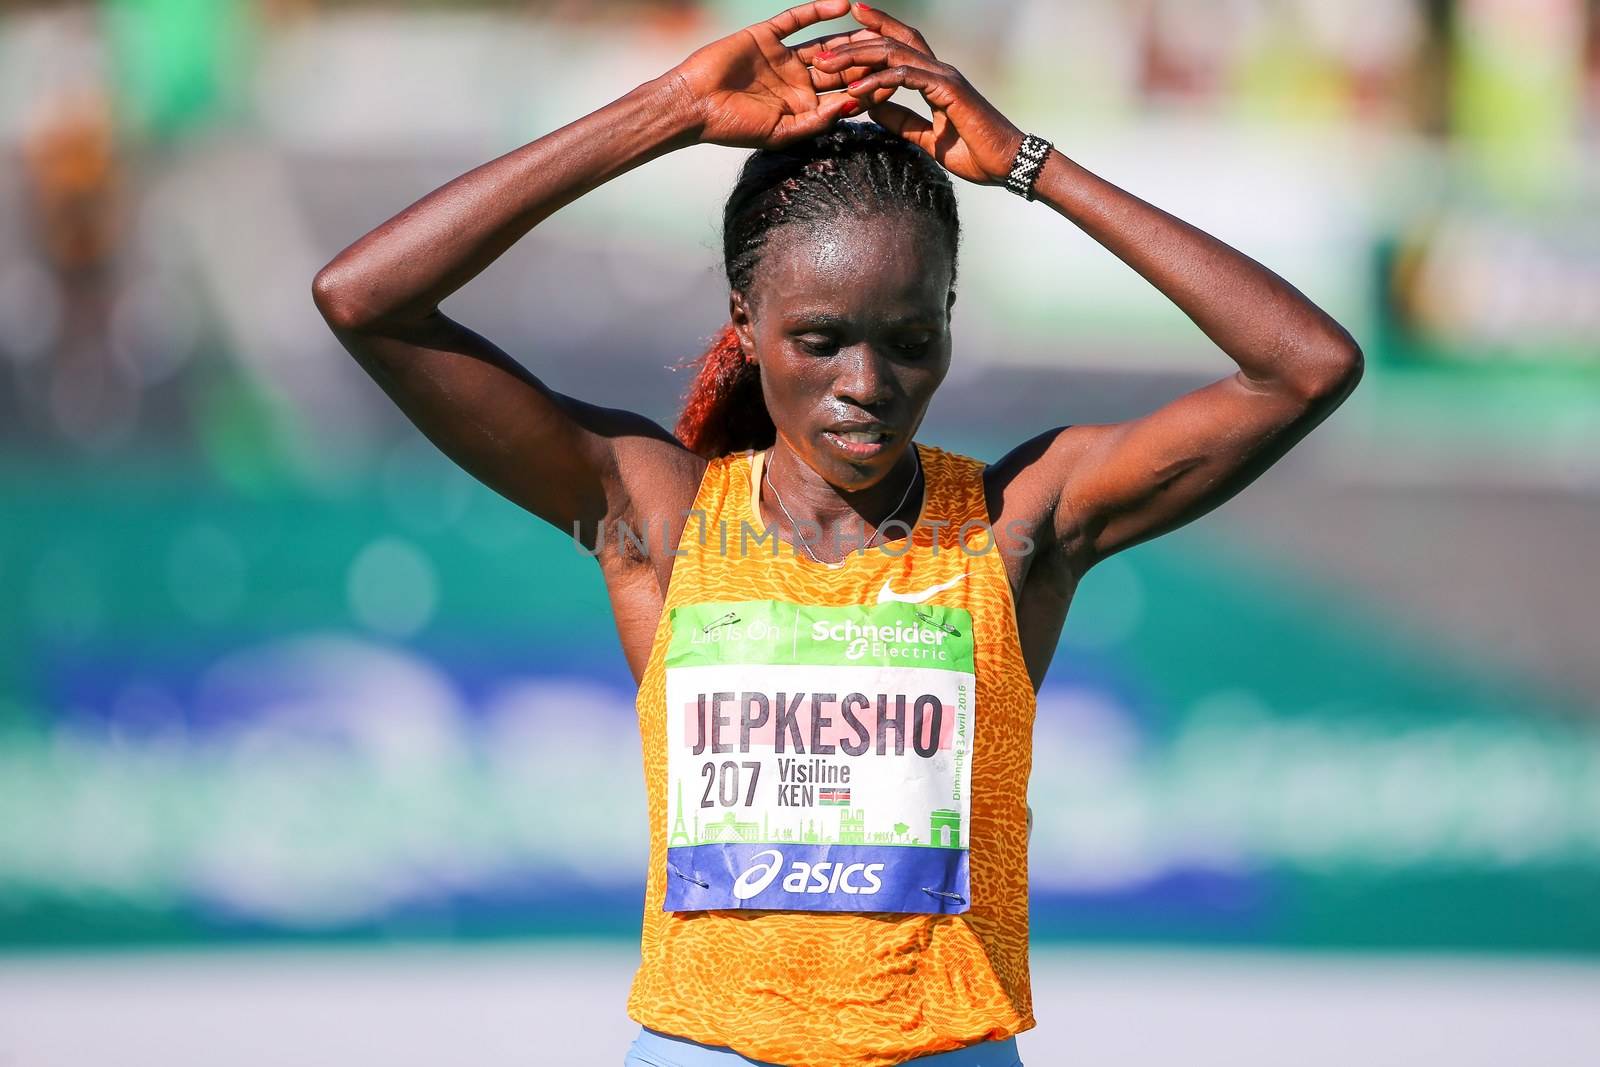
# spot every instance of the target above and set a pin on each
(749, 89)
(966, 134)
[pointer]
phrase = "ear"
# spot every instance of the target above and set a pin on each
(743, 327)
(950, 302)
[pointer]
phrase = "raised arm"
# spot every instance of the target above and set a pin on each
(555, 456)
(1126, 482)
(1096, 489)
(567, 461)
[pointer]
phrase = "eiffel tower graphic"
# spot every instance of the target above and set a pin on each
(680, 835)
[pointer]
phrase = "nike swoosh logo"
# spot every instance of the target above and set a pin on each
(887, 595)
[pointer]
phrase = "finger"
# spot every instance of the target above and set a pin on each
(809, 51)
(825, 81)
(829, 110)
(806, 51)
(877, 53)
(905, 122)
(890, 26)
(936, 88)
(867, 98)
(855, 104)
(907, 76)
(801, 15)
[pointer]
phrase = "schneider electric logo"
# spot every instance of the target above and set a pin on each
(823, 877)
(858, 638)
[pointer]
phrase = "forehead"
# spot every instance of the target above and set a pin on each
(854, 263)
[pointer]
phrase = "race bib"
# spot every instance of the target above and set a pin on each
(818, 758)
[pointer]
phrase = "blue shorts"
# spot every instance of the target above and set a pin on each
(655, 1049)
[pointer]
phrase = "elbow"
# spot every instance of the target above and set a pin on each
(1338, 367)
(333, 300)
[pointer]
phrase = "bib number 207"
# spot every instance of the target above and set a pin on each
(724, 779)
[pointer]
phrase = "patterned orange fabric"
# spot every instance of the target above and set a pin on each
(825, 989)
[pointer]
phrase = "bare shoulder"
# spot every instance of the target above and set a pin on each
(1024, 493)
(656, 469)
(659, 479)
(653, 483)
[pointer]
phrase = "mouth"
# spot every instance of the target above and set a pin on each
(859, 440)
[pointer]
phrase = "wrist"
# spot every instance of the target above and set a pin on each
(672, 109)
(1063, 185)
(1010, 144)
(1027, 162)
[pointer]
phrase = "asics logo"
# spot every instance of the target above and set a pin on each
(758, 875)
(803, 877)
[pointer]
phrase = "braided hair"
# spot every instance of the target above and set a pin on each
(858, 168)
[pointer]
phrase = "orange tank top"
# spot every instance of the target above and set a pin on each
(836, 762)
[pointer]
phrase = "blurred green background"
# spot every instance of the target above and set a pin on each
(274, 671)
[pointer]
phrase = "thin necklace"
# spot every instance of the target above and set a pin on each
(766, 476)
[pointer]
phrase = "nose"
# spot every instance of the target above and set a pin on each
(864, 378)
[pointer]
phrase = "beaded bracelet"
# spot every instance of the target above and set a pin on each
(1027, 165)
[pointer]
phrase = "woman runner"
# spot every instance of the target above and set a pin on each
(838, 632)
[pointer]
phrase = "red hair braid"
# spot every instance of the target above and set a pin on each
(723, 410)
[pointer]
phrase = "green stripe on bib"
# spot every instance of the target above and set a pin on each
(781, 632)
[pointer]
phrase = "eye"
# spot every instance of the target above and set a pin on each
(818, 344)
(913, 346)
